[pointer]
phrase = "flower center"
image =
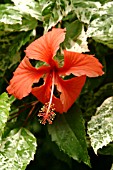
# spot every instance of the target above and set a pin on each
(47, 113)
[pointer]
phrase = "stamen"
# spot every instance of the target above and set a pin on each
(47, 113)
(47, 117)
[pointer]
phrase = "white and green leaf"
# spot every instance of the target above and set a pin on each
(9, 14)
(54, 11)
(111, 167)
(17, 150)
(85, 10)
(81, 43)
(4, 111)
(101, 28)
(29, 7)
(12, 19)
(100, 127)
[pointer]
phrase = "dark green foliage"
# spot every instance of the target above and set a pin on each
(68, 132)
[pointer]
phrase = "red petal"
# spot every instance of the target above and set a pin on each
(70, 90)
(24, 76)
(43, 92)
(58, 104)
(45, 47)
(81, 64)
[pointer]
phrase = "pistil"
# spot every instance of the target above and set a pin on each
(47, 113)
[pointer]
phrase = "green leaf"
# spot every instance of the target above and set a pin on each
(59, 154)
(17, 150)
(100, 127)
(4, 97)
(10, 45)
(17, 43)
(4, 111)
(69, 134)
(73, 29)
(108, 150)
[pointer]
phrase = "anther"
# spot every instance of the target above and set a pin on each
(47, 115)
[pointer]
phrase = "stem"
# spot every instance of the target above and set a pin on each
(29, 104)
(26, 106)
(29, 114)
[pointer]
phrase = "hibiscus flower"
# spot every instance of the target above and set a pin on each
(44, 49)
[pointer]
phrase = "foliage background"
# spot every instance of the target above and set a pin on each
(82, 138)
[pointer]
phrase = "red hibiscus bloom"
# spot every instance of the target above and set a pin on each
(44, 49)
